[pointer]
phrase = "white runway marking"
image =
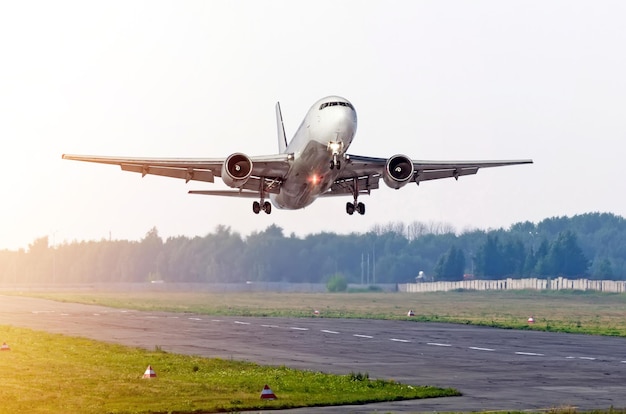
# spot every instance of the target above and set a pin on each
(270, 326)
(529, 354)
(216, 320)
(437, 344)
(195, 319)
(96, 314)
(363, 336)
(65, 314)
(242, 323)
(399, 340)
(44, 311)
(587, 358)
(330, 332)
(475, 348)
(299, 329)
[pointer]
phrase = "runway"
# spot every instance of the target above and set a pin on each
(495, 369)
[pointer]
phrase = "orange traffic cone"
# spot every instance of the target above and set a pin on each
(149, 372)
(267, 393)
(4, 347)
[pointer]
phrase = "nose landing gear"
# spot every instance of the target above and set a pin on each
(335, 148)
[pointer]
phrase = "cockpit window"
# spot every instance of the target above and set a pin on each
(325, 104)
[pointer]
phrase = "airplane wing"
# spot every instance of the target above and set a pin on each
(365, 172)
(267, 170)
(229, 193)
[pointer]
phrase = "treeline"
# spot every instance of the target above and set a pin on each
(590, 245)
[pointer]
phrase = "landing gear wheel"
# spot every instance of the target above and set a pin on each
(256, 207)
(332, 165)
(360, 208)
(267, 207)
(350, 208)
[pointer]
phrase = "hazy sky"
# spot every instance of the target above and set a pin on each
(431, 79)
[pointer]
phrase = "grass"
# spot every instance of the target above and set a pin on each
(561, 311)
(47, 373)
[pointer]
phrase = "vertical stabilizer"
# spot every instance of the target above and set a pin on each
(282, 139)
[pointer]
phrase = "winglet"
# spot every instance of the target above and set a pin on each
(282, 139)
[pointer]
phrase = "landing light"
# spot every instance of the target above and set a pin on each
(335, 146)
(315, 179)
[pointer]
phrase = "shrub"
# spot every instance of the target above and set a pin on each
(337, 283)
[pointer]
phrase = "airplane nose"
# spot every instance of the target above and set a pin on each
(335, 123)
(344, 120)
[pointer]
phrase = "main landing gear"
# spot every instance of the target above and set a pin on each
(266, 206)
(352, 207)
(356, 206)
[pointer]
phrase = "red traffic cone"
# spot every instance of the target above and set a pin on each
(149, 372)
(531, 320)
(267, 393)
(4, 347)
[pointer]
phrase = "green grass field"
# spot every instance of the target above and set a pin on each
(46, 373)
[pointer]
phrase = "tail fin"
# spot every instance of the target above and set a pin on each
(282, 139)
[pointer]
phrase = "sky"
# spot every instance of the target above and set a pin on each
(438, 80)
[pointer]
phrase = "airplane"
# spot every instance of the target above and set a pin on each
(315, 163)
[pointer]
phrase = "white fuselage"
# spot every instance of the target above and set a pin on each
(325, 133)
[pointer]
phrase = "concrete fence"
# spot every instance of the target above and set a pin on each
(559, 283)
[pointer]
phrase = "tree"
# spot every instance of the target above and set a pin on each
(489, 260)
(147, 258)
(605, 270)
(513, 257)
(542, 266)
(392, 253)
(39, 263)
(565, 257)
(451, 265)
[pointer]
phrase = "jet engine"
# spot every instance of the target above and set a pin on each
(236, 170)
(398, 171)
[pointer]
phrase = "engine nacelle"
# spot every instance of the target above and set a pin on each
(236, 170)
(398, 171)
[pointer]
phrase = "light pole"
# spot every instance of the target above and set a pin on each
(374, 265)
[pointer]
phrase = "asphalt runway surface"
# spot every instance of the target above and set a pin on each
(495, 369)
